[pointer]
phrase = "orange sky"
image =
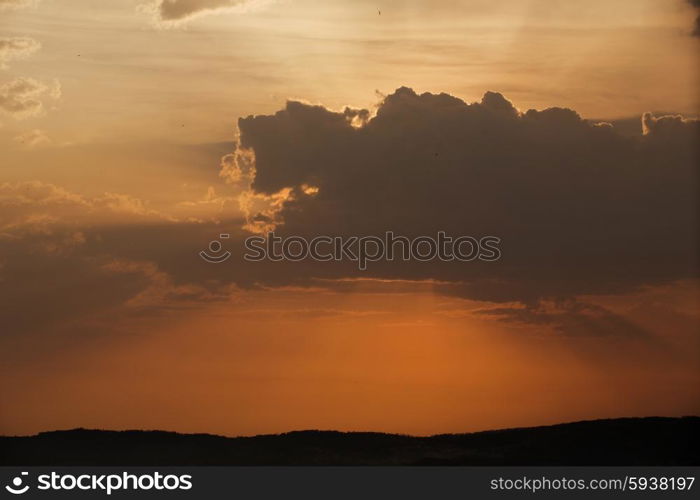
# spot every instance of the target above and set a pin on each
(113, 123)
(412, 363)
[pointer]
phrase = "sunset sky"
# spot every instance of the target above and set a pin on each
(134, 132)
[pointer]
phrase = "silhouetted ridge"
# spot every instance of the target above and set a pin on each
(624, 441)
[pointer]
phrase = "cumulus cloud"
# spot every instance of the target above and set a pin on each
(24, 97)
(579, 207)
(171, 13)
(16, 48)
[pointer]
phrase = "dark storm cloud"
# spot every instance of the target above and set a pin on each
(696, 29)
(73, 266)
(580, 208)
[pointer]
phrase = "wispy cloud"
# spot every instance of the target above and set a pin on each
(33, 139)
(174, 13)
(16, 48)
(17, 4)
(24, 97)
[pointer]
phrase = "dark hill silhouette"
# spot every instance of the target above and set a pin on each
(624, 441)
